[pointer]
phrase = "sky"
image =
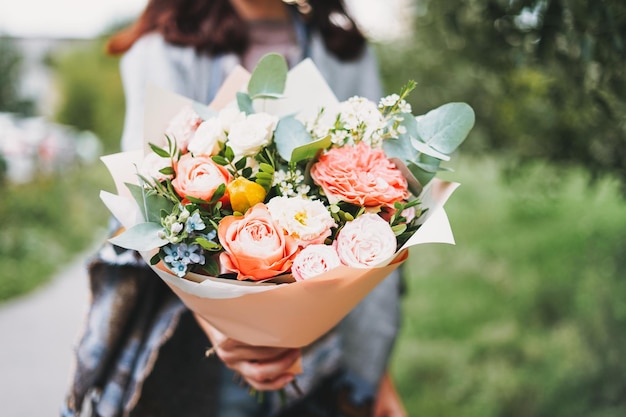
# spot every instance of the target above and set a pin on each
(85, 19)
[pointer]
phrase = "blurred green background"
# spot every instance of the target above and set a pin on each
(526, 315)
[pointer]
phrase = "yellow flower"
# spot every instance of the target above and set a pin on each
(244, 194)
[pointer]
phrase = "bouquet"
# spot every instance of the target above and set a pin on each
(277, 196)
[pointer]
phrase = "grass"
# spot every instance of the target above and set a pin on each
(47, 222)
(525, 316)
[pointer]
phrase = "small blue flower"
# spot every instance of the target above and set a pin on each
(171, 254)
(190, 254)
(211, 235)
(194, 223)
(178, 268)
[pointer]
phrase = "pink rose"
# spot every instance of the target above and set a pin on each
(314, 260)
(360, 175)
(365, 241)
(254, 245)
(199, 177)
(183, 126)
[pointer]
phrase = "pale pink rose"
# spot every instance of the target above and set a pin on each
(365, 241)
(208, 138)
(182, 126)
(359, 175)
(254, 245)
(307, 221)
(152, 164)
(314, 260)
(199, 177)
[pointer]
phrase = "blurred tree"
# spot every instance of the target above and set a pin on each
(91, 91)
(10, 72)
(546, 77)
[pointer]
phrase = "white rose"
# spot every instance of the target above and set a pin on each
(208, 138)
(307, 221)
(314, 260)
(249, 136)
(151, 166)
(229, 116)
(365, 241)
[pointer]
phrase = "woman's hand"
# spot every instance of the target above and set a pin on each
(388, 402)
(264, 368)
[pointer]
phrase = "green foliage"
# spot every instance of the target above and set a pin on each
(10, 72)
(525, 316)
(91, 91)
(45, 223)
(545, 77)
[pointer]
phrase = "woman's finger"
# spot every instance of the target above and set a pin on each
(266, 374)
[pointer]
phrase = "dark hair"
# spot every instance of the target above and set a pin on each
(214, 27)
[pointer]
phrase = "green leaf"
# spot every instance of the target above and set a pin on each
(264, 175)
(290, 133)
(244, 102)
(310, 150)
(268, 77)
(167, 171)
(446, 127)
(211, 268)
(159, 151)
(208, 245)
(266, 168)
(141, 237)
(220, 160)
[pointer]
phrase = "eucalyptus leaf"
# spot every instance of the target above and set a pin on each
(203, 111)
(446, 127)
(150, 205)
(401, 147)
(268, 77)
(424, 172)
(244, 102)
(141, 237)
(290, 134)
(425, 148)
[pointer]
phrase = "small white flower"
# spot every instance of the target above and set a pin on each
(389, 101)
(404, 107)
(176, 228)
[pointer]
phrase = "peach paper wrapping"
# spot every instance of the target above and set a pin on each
(264, 314)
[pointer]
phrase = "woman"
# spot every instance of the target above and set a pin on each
(141, 353)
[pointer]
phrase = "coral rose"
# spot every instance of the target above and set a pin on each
(255, 246)
(314, 260)
(199, 177)
(365, 241)
(359, 175)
